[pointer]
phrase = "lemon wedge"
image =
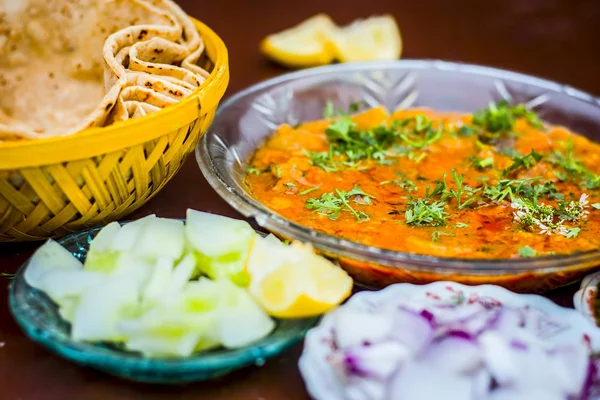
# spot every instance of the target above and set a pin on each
(305, 45)
(292, 281)
(371, 39)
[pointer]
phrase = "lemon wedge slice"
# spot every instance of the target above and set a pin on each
(293, 282)
(305, 45)
(371, 39)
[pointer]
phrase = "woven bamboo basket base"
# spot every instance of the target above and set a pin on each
(54, 200)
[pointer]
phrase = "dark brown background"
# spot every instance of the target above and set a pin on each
(554, 39)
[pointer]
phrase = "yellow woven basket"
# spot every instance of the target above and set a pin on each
(49, 188)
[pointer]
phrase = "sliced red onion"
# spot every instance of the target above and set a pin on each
(532, 394)
(412, 329)
(562, 371)
(360, 388)
(460, 355)
(417, 381)
(470, 351)
(572, 365)
(376, 361)
(354, 327)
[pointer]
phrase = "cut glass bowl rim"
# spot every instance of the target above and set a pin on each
(126, 363)
(251, 208)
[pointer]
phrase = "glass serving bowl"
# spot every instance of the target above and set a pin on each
(248, 118)
(38, 317)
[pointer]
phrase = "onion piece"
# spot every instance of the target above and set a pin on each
(417, 380)
(355, 327)
(378, 361)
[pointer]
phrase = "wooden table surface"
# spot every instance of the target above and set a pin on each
(554, 39)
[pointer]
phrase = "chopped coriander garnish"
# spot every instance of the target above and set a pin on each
(355, 106)
(466, 131)
(423, 212)
(526, 161)
(252, 170)
(403, 182)
(307, 191)
(574, 210)
(435, 235)
(331, 204)
(340, 129)
(438, 191)
(527, 252)
(530, 214)
(499, 119)
(322, 160)
(457, 192)
(359, 196)
(574, 168)
(277, 171)
(498, 193)
(481, 163)
(573, 232)
(328, 204)
(290, 184)
(417, 159)
(510, 189)
(422, 134)
(460, 225)
(353, 145)
(348, 144)
(360, 216)
(328, 110)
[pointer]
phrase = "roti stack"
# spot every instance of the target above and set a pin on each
(66, 65)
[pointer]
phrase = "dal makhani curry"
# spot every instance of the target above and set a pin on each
(498, 183)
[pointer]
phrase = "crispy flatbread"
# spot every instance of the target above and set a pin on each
(66, 65)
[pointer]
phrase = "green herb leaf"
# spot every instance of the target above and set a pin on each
(422, 212)
(328, 110)
(422, 133)
(360, 216)
(461, 225)
(527, 252)
(457, 192)
(252, 170)
(439, 190)
(574, 169)
(340, 129)
(403, 182)
(526, 162)
(435, 235)
(499, 119)
(360, 197)
(466, 131)
(331, 204)
(277, 171)
(481, 164)
(573, 232)
(574, 210)
(322, 160)
(307, 191)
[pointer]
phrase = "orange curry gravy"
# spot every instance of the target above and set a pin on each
(545, 168)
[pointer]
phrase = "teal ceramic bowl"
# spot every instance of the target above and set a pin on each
(38, 317)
